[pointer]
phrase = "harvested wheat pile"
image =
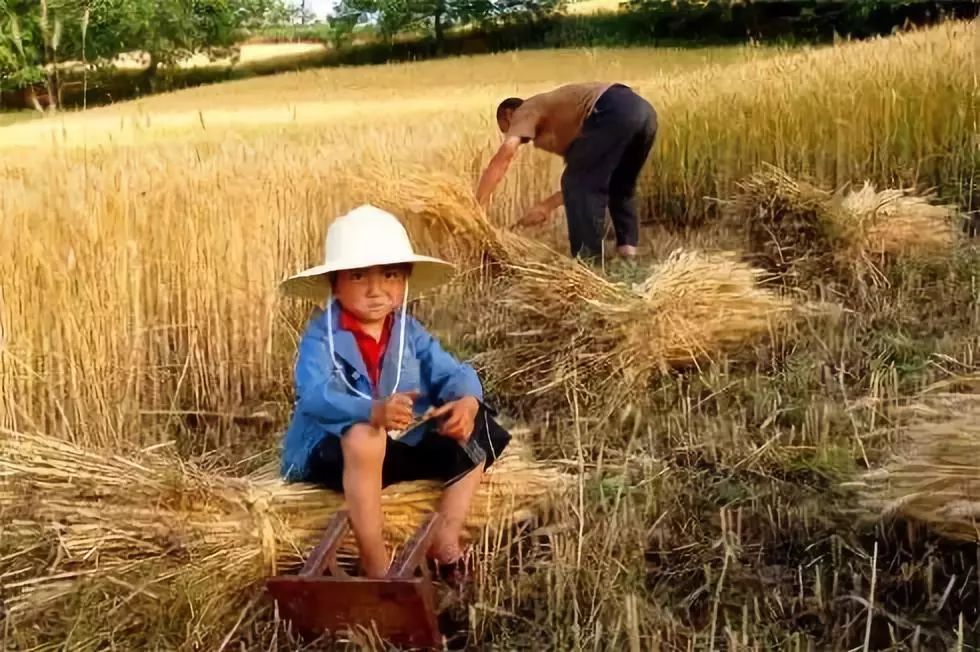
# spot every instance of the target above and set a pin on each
(896, 223)
(554, 324)
(569, 330)
(935, 478)
(799, 229)
(787, 220)
(442, 215)
(161, 535)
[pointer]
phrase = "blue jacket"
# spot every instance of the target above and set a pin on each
(326, 407)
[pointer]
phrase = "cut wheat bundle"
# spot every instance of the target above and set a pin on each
(895, 222)
(555, 324)
(441, 213)
(934, 477)
(153, 528)
(570, 330)
(800, 229)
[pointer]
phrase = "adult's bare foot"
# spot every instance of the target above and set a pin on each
(626, 251)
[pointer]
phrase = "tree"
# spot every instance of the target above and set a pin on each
(32, 44)
(36, 35)
(394, 16)
(390, 16)
(169, 30)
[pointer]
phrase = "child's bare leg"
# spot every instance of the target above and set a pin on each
(364, 454)
(453, 508)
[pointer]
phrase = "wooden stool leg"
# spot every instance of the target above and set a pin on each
(412, 554)
(324, 556)
(411, 557)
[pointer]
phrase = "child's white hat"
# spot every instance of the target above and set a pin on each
(365, 237)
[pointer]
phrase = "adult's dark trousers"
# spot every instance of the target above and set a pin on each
(602, 166)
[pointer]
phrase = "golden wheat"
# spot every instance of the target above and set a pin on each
(567, 331)
(934, 476)
(77, 518)
(140, 282)
(140, 268)
(797, 228)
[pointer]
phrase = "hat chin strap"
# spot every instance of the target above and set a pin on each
(401, 347)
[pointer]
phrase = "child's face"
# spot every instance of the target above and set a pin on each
(371, 293)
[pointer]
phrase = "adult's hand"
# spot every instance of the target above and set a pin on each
(537, 215)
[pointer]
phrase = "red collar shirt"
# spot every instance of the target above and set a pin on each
(372, 350)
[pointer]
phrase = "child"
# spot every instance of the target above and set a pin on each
(366, 371)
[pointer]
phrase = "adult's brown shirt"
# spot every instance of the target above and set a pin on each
(554, 119)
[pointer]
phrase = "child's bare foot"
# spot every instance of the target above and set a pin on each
(373, 571)
(445, 551)
(448, 562)
(455, 502)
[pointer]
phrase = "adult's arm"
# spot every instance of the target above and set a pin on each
(496, 169)
(553, 202)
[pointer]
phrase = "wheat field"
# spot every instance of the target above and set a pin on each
(141, 245)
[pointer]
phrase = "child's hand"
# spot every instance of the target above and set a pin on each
(394, 412)
(460, 418)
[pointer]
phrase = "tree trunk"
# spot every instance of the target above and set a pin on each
(438, 27)
(55, 87)
(50, 59)
(85, 19)
(32, 96)
(148, 79)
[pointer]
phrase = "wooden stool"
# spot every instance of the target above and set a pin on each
(400, 606)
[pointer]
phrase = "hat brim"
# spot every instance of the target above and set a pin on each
(314, 283)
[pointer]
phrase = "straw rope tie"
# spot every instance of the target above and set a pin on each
(261, 516)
